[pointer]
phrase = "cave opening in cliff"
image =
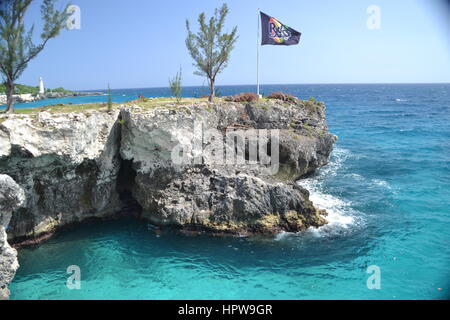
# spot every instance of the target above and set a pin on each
(124, 186)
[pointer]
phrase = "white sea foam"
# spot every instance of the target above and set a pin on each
(283, 235)
(342, 218)
(338, 158)
(381, 183)
(355, 176)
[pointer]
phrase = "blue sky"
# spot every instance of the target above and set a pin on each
(141, 43)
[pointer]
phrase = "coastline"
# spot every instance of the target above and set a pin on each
(113, 153)
(67, 167)
(348, 185)
(28, 97)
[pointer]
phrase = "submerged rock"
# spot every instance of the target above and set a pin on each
(12, 197)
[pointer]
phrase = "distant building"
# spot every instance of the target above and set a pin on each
(41, 86)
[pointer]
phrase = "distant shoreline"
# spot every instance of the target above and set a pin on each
(28, 97)
(302, 91)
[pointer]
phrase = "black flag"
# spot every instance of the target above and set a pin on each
(276, 33)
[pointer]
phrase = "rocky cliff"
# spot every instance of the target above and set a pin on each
(12, 197)
(93, 164)
(66, 163)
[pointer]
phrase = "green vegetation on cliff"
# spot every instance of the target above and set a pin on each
(16, 41)
(172, 103)
(24, 89)
(20, 89)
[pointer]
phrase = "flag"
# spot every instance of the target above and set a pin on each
(276, 33)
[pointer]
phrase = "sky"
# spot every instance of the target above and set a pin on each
(141, 43)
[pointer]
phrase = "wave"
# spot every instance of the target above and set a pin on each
(338, 159)
(342, 218)
(381, 183)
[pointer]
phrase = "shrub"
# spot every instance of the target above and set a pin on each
(175, 86)
(243, 97)
(110, 104)
(283, 97)
(210, 48)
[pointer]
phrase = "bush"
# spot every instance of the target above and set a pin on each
(110, 103)
(141, 98)
(283, 97)
(243, 97)
(175, 86)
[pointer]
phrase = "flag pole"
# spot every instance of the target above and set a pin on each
(257, 55)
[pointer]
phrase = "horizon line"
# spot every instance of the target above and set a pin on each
(277, 84)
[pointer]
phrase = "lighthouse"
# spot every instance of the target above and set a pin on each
(41, 86)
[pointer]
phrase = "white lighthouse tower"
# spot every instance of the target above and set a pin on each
(41, 86)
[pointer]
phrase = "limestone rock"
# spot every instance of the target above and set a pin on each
(66, 163)
(11, 198)
(239, 204)
(81, 165)
(212, 196)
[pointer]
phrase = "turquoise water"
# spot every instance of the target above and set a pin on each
(387, 190)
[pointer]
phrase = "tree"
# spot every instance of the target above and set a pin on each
(16, 43)
(110, 103)
(209, 47)
(175, 86)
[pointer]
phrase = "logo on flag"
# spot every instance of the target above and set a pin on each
(276, 33)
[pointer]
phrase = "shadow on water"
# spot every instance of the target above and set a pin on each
(140, 241)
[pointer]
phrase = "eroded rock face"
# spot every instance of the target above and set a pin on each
(208, 195)
(77, 166)
(204, 200)
(66, 168)
(66, 163)
(12, 197)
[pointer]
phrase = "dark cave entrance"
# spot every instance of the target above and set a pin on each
(124, 186)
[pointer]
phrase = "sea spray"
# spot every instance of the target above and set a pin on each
(341, 216)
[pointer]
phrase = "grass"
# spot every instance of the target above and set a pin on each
(65, 108)
(147, 103)
(152, 103)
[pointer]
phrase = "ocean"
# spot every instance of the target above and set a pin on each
(386, 188)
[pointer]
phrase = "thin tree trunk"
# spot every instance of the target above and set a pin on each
(9, 96)
(211, 90)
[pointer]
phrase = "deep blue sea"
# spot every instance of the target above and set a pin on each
(387, 189)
